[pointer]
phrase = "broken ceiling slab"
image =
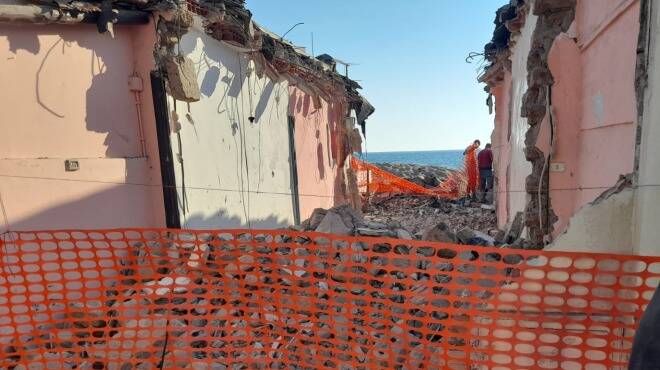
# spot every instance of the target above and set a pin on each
(17, 11)
(181, 78)
(229, 21)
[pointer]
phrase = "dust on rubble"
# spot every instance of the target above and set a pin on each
(419, 214)
(412, 217)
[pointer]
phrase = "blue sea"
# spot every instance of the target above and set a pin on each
(443, 158)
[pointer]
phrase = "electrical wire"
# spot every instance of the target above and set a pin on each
(4, 215)
(246, 171)
(161, 186)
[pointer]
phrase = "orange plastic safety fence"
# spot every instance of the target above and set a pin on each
(374, 180)
(147, 299)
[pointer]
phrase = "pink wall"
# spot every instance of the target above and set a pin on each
(501, 146)
(594, 107)
(564, 62)
(607, 129)
(594, 104)
(319, 176)
(67, 87)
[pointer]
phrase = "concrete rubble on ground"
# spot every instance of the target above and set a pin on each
(343, 220)
(417, 218)
(420, 214)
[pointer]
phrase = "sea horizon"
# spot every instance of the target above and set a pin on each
(448, 158)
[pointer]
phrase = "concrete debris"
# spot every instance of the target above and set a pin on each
(314, 221)
(182, 78)
(332, 223)
(364, 231)
(231, 22)
(473, 237)
(352, 190)
(429, 218)
(355, 141)
(440, 233)
(343, 220)
(404, 234)
(514, 231)
(105, 14)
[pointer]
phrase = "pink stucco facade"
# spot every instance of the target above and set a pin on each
(317, 140)
(593, 109)
(66, 96)
(594, 103)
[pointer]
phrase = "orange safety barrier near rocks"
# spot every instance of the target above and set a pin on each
(373, 180)
(148, 299)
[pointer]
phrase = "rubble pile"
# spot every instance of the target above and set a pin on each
(343, 220)
(419, 218)
(425, 216)
(426, 176)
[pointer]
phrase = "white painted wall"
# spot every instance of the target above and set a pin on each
(519, 167)
(647, 201)
(236, 173)
(602, 227)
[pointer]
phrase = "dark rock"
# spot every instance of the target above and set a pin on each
(473, 237)
(440, 233)
(516, 228)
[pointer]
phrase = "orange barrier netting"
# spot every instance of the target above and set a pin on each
(374, 180)
(147, 299)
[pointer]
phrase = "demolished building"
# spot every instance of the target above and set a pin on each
(157, 113)
(575, 129)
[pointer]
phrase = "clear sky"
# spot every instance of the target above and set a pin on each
(411, 56)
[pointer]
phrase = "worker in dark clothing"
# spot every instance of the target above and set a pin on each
(485, 159)
(646, 347)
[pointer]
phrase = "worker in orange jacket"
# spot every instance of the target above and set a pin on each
(472, 168)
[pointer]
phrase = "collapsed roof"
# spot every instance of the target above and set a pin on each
(230, 21)
(225, 20)
(501, 34)
(508, 20)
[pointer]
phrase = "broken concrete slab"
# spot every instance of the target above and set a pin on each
(515, 230)
(181, 78)
(348, 214)
(375, 225)
(602, 225)
(404, 234)
(315, 219)
(375, 232)
(333, 223)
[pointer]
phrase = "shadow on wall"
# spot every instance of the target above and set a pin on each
(224, 221)
(103, 209)
(109, 108)
(27, 41)
(107, 209)
(110, 64)
(327, 120)
(246, 110)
